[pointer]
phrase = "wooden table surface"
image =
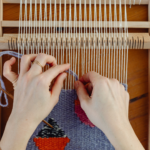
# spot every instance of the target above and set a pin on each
(137, 75)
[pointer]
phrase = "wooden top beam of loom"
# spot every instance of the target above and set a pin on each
(144, 2)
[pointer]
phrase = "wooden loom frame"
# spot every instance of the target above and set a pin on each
(4, 38)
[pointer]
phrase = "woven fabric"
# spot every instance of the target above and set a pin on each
(81, 136)
(51, 143)
(81, 114)
(80, 133)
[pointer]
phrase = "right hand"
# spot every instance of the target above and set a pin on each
(106, 104)
(104, 100)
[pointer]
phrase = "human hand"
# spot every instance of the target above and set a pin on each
(103, 100)
(32, 99)
(106, 104)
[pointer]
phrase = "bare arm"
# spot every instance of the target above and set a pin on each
(32, 99)
(107, 107)
(106, 104)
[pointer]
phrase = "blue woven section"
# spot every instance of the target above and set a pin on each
(82, 137)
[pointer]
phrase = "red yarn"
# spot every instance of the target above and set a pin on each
(51, 143)
(81, 114)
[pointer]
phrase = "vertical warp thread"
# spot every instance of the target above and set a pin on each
(18, 55)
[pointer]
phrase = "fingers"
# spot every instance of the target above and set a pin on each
(89, 88)
(26, 63)
(90, 77)
(54, 71)
(124, 94)
(56, 89)
(11, 76)
(81, 92)
(43, 59)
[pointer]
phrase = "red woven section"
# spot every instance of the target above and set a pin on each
(81, 114)
(51, 143)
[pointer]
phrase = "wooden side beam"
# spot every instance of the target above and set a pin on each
(1, 16)
(1, 32)
(130, 24)
(149, 99)
(143, 2)
(149, 83)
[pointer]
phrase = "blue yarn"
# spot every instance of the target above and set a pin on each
(82, 137)
(11, 53)
(18, 55)
(5, 95)
(1, 81)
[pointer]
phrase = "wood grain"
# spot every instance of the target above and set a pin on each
(137, 74)
(1, 18)
(144, 2)
(149, 97)
(149, 81)
(130, 24)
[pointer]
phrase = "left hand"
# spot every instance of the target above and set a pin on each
(32, 99)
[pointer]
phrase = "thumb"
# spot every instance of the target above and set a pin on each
(8, 73)
(56, 89)
(81, 92)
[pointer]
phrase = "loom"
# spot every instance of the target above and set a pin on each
(76, 37)
(91, 35)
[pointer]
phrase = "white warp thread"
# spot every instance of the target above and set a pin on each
(18, 55)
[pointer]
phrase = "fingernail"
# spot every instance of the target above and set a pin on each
(76, 84)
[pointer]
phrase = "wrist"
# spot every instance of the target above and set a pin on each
(122, 137)
(18, 133)
(20, 122)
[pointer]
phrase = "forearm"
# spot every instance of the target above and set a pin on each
(16, 135)
(32, 99)
(124, 138)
